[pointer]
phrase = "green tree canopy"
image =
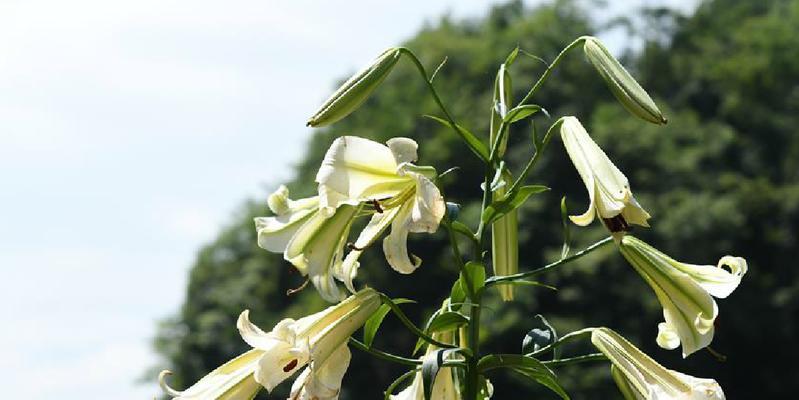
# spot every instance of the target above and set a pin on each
(720, 178)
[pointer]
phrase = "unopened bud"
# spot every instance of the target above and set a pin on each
(353, 92)
(629, 93)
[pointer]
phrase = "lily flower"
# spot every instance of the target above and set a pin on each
(639, 377)
(313, 241)
(608, 189)
(233, 380)
(318, 340)
(360, 170)
(684, 290)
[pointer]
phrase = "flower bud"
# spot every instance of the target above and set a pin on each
(353, 92)
(629, 93)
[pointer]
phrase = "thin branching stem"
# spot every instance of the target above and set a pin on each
(522, 275)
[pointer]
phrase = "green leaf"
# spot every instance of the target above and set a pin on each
(373, 324)
(511, 202)
(456, 294)
(525, 365)
(564, 217)
(472, 141)
(540, 337)
(512, 56)
(447, 321)
(473, 274)
(431, 364)
(521, 112)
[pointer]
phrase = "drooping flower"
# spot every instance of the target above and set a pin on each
(639, 377)
(318, 340)
(608, 189)
(314, 339)
(684, 291)
(313, 241)
(360, 170)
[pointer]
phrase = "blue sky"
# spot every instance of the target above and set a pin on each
(130, 132)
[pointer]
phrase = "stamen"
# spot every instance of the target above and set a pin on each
(617, 224)
(299, 288)
(165, 386)
(291, 365)
(719, 357)
(377, 206)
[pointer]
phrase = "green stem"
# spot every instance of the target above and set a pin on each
(538, 152)
(410, 325)
(472, 371)
(570, 337)
(576, 360)
(522, 275)
(383, 355)
(549, 69)
(438, 101)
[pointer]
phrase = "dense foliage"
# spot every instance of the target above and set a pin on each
(720, 178)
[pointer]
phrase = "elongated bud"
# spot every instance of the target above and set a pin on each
(626, 89)
(505, 245)
(353, 92)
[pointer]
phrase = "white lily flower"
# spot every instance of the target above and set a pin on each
(444, 388)
(608, 189)
(316, 339)
(639, 377)
(233, 380)
(360, 170)
(684, 291)
(311, 240)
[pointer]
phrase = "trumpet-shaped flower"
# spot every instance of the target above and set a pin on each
(403, 196)
(314, 339)
(639, 377)
(608, 189)
(684, 291)
(233, 380)
(319, 340)
(311, 240)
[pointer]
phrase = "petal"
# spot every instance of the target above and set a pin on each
(403, 149)
(257, 338)
(347, 270)
(587, 217)
(315, 247)
(716, 280)
(274, 233)
(428, 206)
(701, 388)
(395, 245)
(277, 364)
(323, 381)
(357, 168)
(607, 186)
(667, 337)
(232, 381)
(633, 213)
(688, 308)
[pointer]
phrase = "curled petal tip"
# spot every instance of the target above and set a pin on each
(165, 386)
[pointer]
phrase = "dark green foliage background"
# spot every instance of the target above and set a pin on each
(720, 178)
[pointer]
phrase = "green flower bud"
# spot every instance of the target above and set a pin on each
(353, 92)
(629, 93)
